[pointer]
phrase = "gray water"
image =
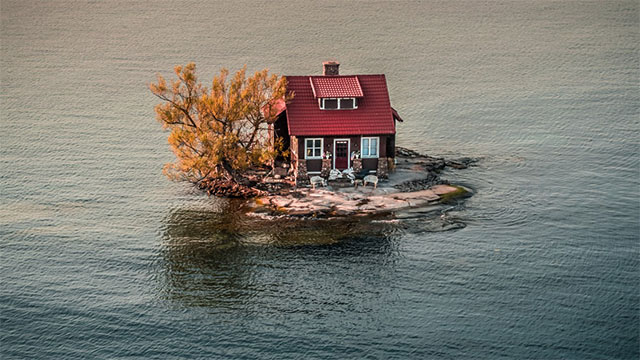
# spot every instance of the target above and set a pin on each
(103, 257)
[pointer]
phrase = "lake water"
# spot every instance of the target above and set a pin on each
(103, 257)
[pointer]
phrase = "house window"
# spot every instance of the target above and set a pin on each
(338, 104)
(347, 103)
(313, 148)
(330, 104)
(369, 147)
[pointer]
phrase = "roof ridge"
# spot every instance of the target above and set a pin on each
(333, 76)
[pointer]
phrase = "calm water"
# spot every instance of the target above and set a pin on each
(102, 257)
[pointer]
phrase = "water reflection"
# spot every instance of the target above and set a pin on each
(221, 258)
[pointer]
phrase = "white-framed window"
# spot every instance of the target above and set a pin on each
(313, 148)
(338, 103)
(370, 147)
(329, 104)
(348, 103)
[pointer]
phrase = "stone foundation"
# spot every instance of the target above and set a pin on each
(302, 178)
(357, 165)
(383, 168)
(326, 168)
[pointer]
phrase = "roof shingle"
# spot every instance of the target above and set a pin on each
(335, 86)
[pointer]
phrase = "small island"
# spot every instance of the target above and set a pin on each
(414, 182)
(304, 145)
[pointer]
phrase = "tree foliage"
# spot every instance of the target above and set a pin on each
(218, 132)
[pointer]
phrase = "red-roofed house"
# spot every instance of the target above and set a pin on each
(337, 122)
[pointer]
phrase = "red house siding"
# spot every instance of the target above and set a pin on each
(315, 165)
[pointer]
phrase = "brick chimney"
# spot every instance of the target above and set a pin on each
(330, 68)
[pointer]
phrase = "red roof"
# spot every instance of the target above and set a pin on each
(335, 86)
(372, 117)
(393, 111)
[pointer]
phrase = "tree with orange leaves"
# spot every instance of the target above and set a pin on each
(218, 133)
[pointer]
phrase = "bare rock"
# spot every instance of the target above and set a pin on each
(443, 189)
(461, 163)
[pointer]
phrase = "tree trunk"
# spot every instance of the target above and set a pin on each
(231, 174)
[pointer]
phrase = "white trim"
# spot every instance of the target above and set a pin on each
(355, 103)
(348, 152)
(377, 147)
(313, 88)
(306, 148)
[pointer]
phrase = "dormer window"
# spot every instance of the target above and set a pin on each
(348, 103)
(338, 104)
(329, 104)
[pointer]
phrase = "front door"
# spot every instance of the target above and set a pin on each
(341, 154)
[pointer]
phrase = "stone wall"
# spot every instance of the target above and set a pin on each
(357, 165)
(302, 178)
(383, 168)
(326, 168)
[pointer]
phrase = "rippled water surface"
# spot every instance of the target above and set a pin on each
(102, 257)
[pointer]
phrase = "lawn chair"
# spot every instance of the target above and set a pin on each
(359, 177)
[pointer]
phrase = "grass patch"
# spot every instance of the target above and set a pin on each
(459, 192)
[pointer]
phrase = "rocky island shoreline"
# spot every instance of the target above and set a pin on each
(415, 183)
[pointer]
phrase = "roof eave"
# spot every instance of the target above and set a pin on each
(395, 114)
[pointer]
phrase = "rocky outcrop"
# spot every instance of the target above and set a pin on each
(225, 188)
(435, 164)
(327, 203)
(421, 184)
(432, 166)
(461, 163)
(413, 173)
